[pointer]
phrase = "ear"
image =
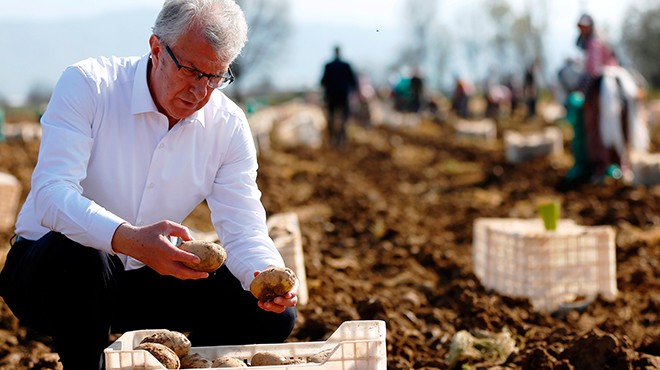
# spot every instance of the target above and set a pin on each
(155, 46)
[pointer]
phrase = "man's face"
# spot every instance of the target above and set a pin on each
(176, 93)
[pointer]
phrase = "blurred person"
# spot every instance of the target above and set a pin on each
(531, 89)
(515, 85)
(416, 91)
(460, 101)
(130, 146)
(338, 82)
(598, 55)
(569, 77)
(365, 100)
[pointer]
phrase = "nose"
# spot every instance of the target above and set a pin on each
(199, 88)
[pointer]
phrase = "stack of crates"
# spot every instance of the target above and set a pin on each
(519, 258)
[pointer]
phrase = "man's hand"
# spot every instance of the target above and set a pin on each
(152, 246)
(279, 304)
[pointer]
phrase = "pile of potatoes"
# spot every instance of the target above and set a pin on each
(173, 350)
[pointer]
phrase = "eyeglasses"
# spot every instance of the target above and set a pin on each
(214, 81)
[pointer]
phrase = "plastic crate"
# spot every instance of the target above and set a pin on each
(522, 147)
(518, 257)
(356, 345)
(645, 168)
(485, 129)
(284, 229)
(10, 194)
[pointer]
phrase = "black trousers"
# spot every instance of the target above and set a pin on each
(338, 113)
(79, 295)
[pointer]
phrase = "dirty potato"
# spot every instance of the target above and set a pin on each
(273, 282)
(162, 353)
(320, 357)
(176, 341)
(268, 358)
(227, 361)
(211, 255)
(195, 361)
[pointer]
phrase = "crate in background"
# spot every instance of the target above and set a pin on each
(284, 229)
(10, 196)
(484, 129)
(522, 147)
(355, 345)
(645, 168)
(518, 257)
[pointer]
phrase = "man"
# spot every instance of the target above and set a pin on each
(130, 147)
(338, 82)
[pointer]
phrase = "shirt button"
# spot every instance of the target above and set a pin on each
(151, 185)
(161, 146)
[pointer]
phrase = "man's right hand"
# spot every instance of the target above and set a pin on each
(152, 246)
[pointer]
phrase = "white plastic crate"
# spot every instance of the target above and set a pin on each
(355, 345)
(10, 195)
(518, 257)
(645, 168)
(485, 129)
(522, 147)
(284, 229)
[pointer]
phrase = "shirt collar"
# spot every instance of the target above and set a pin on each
(142, 101)
(197, 117)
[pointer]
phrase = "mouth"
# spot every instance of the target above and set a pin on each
(187, 103)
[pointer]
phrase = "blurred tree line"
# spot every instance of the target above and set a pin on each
(488, 33)
(492, 37)
(641, 39)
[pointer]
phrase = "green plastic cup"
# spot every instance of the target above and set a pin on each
(549, 213)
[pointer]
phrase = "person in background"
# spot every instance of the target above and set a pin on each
(531, 89)
(460, 100)
(338, 82)
(416, 91)
(130, 146)
(598, 55)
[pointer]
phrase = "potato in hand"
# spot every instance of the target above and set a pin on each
(211, 255)
(273, 282)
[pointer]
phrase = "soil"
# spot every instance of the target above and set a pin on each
(387, 229)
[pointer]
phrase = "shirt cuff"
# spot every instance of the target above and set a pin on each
(104, 230)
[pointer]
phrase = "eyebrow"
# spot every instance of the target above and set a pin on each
(192, 66)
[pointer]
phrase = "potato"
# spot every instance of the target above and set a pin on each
(227, 361)
(273, 282)
(268, 358)
(174, 340)
(162, 353)
(320, 357)
(195, 361)
(211, 255)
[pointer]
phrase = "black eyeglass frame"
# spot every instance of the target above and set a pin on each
(223, 81)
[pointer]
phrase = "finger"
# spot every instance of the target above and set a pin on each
(180, 231)
(272, 307)
(186, 273)
(182, 256)
(286, 301)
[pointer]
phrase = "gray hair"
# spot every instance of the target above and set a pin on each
(223, 23)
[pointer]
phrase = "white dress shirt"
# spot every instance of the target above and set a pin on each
(107, 157)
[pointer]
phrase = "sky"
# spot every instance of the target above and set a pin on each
(382, 18)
